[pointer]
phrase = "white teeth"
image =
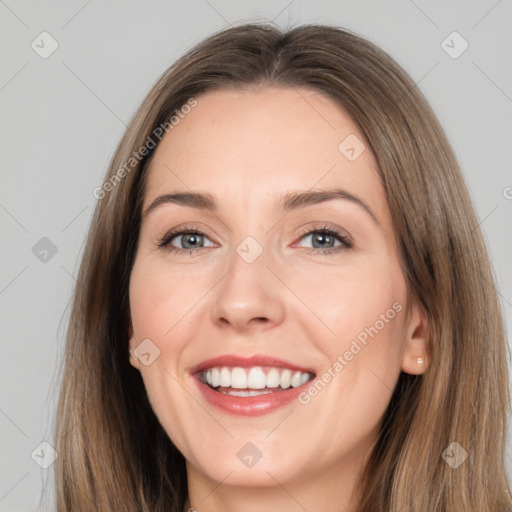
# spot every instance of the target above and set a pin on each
(253, 380)
(225, 378)
(253, 392)
(238, 393)
(238, 378)
(256, 378)
(273, 379)
(296, 381)
(286, 379)
(215, 377)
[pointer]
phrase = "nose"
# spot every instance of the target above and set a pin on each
(248, 297)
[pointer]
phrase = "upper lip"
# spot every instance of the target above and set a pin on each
(233, 360)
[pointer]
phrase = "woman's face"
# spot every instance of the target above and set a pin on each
(288, 270)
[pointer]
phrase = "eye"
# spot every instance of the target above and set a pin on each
(189, 238)
(324, 240)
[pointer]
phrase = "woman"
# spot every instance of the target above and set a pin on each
(285, 302)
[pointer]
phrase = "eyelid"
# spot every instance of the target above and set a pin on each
(164, 241)
(345, 239)
(325, 226)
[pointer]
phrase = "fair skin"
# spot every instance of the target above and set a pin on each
(247, 149)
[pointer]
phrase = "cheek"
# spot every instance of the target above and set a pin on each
(158, 300)
(160, 297)
(362, 356)
(366, 303)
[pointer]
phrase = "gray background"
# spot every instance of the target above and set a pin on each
(61, 118)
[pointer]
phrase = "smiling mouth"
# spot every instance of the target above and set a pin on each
(253, 381)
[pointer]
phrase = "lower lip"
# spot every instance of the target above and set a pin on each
(249, 405)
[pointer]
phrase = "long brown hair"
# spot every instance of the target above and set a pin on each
(114, 454)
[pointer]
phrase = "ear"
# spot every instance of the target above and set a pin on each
(132, 344)
(416, 357)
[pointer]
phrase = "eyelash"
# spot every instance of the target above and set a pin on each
(346, 242)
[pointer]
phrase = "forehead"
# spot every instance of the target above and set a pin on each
(248, 146)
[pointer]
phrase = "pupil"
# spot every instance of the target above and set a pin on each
(194, 238)
(323, 237)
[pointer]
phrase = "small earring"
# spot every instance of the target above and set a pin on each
(420, 361)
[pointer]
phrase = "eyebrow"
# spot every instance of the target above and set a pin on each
(290, 201)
